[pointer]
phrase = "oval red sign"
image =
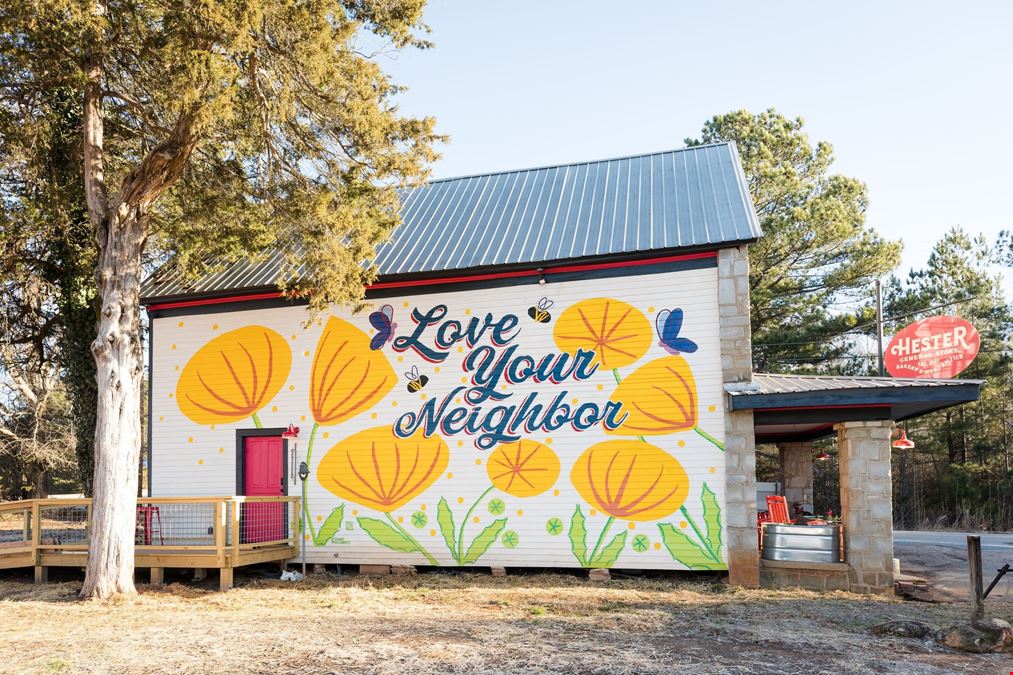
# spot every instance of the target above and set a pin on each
(936, 347)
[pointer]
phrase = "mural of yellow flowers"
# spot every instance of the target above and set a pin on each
(523, 469)
(233, 376)
(347, 377)
(377, 469)
(618, 333)
(659, 397)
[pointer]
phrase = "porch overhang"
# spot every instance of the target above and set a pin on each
(805, 407)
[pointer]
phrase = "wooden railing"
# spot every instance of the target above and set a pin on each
(199, 532)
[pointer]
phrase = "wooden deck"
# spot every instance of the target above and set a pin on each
(198, 533)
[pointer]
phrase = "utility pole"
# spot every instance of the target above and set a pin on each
(879, 327)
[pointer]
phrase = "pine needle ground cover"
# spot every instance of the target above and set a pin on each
(465, 623)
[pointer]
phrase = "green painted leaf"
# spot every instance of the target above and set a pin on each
(641, 543)
(483, 541)
(385, 535)
(685, 550)
(608, 555)
(712, 518)
(445, 519)
(330, 526)
(578, 537)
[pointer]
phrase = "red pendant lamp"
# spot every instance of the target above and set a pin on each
(903, 442)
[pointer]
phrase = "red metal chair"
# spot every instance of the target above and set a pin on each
(149, 518)
(777, 507)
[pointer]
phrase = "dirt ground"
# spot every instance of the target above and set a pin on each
(468, 623)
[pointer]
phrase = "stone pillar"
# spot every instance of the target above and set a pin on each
(740, 444)
(867, 504)
(797, 469)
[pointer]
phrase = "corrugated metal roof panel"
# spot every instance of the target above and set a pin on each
(768, 383)
(686, 198)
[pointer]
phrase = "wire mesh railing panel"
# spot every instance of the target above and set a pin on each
(261, 522)
(15, 526)
(62, 525)
(175, 524)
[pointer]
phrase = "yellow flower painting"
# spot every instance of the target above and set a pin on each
(618, 333)
(659, 397)
(233, 376)
(347, 377)
(523, 469)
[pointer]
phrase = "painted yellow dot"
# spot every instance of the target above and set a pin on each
(548, 441)
(404, 304)
(593, 512)
(436, 369)
(657, 546)
(457, 400)
(475, 520)
(170, 394)
(400, 519)
(711, 408)
(460, 349)
(650, 310)
(212, 427)
(683, 524)
(432, 533)
(478, 462)
(293, 337)
(464, 380)
(422, 508)
(520, 512)
(393, 404)
(682, 444)
(573, 401)
(460, 444)
(460, 500)
(503, 387)
(327, 434)
(177, 369)
(424, 397)
(302, 418)
(274, 408)
(400, 359)
(450, 474)
(355, 512)
(221, 451)
(291, 387)
(632, 526)
(373, 415)
(306, 353)
(161, 418)
(180, 324)
(713, 469)
(319, 518)
(467, 311)
(600, 387)
(189, 439)
(555, 493)
(174, 346)
(214, 327)
(306, 537)
(200, 461)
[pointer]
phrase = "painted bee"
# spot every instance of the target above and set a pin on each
(415, 381)
(541, 312)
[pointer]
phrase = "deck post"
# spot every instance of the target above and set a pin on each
(26, 527)
(41, 574)
(225, 579)
(157, 576)
(220, 533)
(235, 531)
(200, 574)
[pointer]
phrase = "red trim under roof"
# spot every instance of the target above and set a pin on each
(538, 271)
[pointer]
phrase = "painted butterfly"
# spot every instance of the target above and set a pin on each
(669, 323)
(383, 321)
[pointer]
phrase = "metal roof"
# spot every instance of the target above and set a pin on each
(771, 383)
(687, 198)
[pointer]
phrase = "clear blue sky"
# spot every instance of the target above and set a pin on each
(916, 97)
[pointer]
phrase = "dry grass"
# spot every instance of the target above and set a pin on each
(464, 623)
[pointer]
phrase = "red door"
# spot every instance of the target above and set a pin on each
(263, 476)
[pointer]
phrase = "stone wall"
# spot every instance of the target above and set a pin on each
(814, 576)
(740, 445)
(797, 469)
(867, 504)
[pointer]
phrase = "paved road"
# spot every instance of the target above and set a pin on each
(941, 557)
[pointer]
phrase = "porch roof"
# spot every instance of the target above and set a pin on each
(804, 407)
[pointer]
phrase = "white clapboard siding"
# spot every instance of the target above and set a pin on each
(200, 459)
